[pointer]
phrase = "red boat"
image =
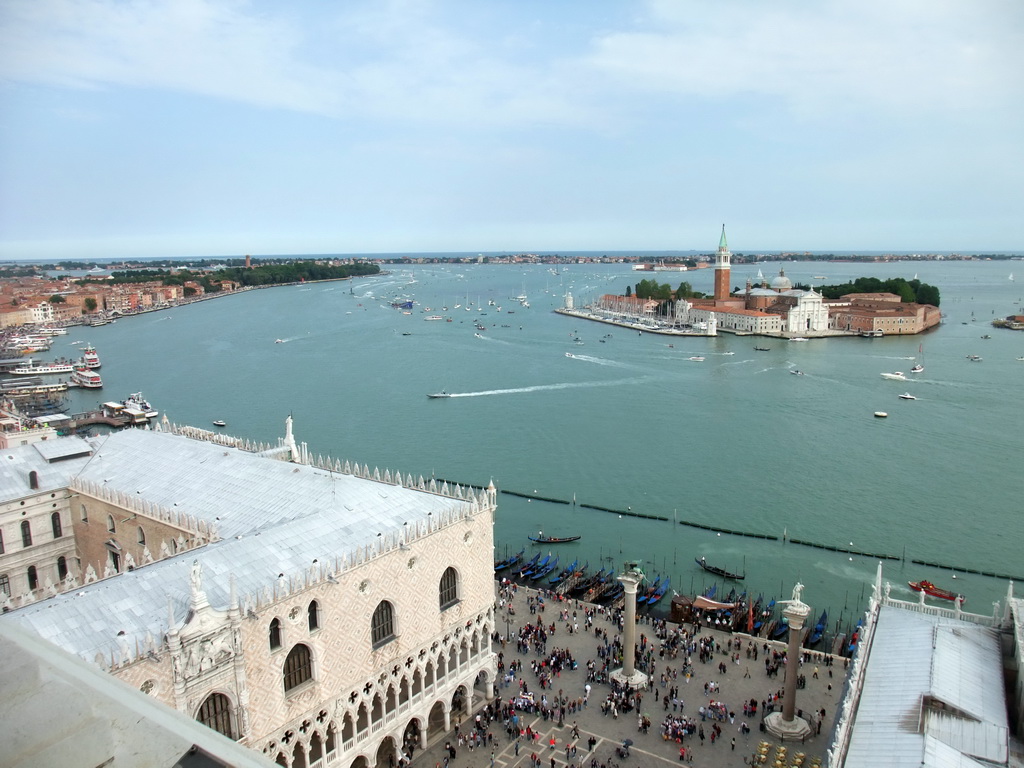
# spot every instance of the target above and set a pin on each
(930, 589)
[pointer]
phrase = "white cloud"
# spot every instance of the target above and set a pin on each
(899, 55)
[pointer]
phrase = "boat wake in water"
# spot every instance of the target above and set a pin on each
(601, 361)
(548, 387)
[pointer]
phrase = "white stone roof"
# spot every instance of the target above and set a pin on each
(45, 459)
(273, 517)
(917, 659)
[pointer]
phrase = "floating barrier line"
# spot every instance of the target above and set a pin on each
(749, 534)
(967, 570)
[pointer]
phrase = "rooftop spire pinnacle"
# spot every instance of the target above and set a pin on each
(722, 244)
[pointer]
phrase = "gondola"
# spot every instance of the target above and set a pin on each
(528, 566)
(819, 630)
(542, 539)
(509, 562)
(719, 571)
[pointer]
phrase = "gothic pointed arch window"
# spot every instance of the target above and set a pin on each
(382, 626)
(298, 667)
(274, 634)
(215, 713)
(449, 588)
(111, 528)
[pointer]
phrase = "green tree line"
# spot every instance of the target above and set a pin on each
(269, 274)
(908, 290)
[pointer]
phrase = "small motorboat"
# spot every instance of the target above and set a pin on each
(881, 415)
(907, 396)
(762, 349)
(895, 376)
(437, 395)
(930, 589)
(220, 423)
(697, 359)
(797, 372)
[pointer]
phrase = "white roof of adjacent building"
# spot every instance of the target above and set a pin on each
(58, 711)
(274, 518)
(933, 695)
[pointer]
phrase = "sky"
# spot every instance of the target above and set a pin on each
(184, 128)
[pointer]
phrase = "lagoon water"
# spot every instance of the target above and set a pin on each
(629, 422)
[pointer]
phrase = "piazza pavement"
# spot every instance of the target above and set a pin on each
(733, 749)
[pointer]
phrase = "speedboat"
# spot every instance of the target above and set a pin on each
(930, 589)
(881, 414)
(796, 372)
(569, 354)
(895, 376)
(697, 359)
(437, 395)
(972, 358)
(219, 423)
(907, 396)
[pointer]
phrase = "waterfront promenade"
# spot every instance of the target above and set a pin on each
(607, 732)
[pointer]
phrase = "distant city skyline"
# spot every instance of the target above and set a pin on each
(213, 128)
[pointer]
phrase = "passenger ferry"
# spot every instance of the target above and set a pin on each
(87, 378)
(90, 356)
(31, 369)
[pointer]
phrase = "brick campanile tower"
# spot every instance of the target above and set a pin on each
(248, 258)
(722, 267)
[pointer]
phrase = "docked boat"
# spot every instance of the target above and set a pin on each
(660, 592)
(540, 538)
(895, 376)
(90, 356)
(31, 369)
(719, 571)
(437, 395)
(508, 562)
(86, 377)
(930, 589)
(907, 396)
(762, 349)
(815, 635)
(136, 402)
(530, 565)
(799, 338)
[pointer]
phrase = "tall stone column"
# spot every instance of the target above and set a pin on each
(785, 724)
(628, 674)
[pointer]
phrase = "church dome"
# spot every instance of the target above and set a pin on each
(782, 283)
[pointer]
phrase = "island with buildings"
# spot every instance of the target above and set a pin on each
(774, 309)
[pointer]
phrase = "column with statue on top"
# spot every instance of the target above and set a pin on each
(629, 676)
(785, 724)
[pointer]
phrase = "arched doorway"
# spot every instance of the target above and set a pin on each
(411, 738)
(359, 762)
(459, 704)
(387, 754)
(435, 720)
